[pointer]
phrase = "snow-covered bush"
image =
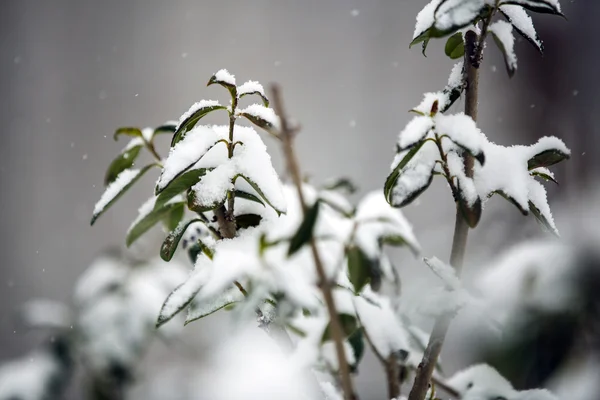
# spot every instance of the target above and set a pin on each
(300, 260)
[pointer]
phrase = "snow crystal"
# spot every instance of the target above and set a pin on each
(262, 112)
(223, 75)
(116, 187)
(195, 107)
(250, 87)
(425, 18)
(522, 22)
(415, 131)
(503, 31)
(188, 151)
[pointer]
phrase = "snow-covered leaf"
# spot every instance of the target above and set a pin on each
(412, 175)
(116, 189)
(169, 246)
(184, 294)
(261, 116)
(463, 131)
(540, 6)
(191, 117)
(357, 342)
(224, 78)
(149, 215)
(253, 88)
(522, 23)
(505, 40)
(188, 152)
(273, 203)
(414, 132)
(169, 127)
(123, 161)
(543, 173)
(180, 184)
(305, 231)
(201, 308)
(248, 196)
(447, 96)
(455, 46)
(547, 158)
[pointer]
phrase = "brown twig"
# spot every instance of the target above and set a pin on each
(390, 365)
(424, 373)
(287, 134)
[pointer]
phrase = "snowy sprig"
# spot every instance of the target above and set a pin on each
(441, 18)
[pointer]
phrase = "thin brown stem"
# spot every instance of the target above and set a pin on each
(391, 367)
(287, 134)
(227, 227)
(424, 373)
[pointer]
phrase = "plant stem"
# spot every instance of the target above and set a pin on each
(231, 194)
(391, 366)
(424, 373)
(287, 134)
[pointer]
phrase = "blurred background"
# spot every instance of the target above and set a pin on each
(72, 71)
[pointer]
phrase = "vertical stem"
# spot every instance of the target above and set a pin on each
(424, 373)
(287, 136)
(231, 194)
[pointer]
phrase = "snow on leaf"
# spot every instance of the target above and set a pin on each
(385, 330)
(463, 131)
(415, 131)
(425, 18)
(261, 116)
(252, 87)
(451, 15)
(223, 75)
(522, 23)
(446, 97)
(377, 221)
(211, 190)
(116, 189)
(185, 293)
(202, 308)
(187, 152)
(190, 118)
(504, 38)
(149, 215)
(541, 6)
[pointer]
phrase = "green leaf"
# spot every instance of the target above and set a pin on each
(199, 248)
(357, 343)
(455, 46)
(471, 213)
(359, 268)
(142, 225)
(165, 129)
(173, 219)
(180, 184)
(200, 309)
(546, 158)
(120, 193)
(539, 6)
(513, 201)
(306, 229)
(123, 161)
(248, 196)
(128, 131)
(191, 121)
(341, 184)
(535, 41)
(349, 325)
(169, 246)
(245, 221)
(259, 191)
(179, 299)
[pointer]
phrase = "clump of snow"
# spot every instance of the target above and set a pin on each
(456, 167)
(416, 174)
(502, 30)
(455, 82)
(265, 113)
(457, 13)
(195, 107)
(425, 18)
(461, 129)
(223, 75)
(481, 378)
(415, 131)
(250, 87)
(28, 378)
(115, 188)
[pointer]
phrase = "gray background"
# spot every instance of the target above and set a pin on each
(73, 71)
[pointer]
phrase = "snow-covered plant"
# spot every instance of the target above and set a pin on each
(452, 146)
(106, 332)
(300, 259)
